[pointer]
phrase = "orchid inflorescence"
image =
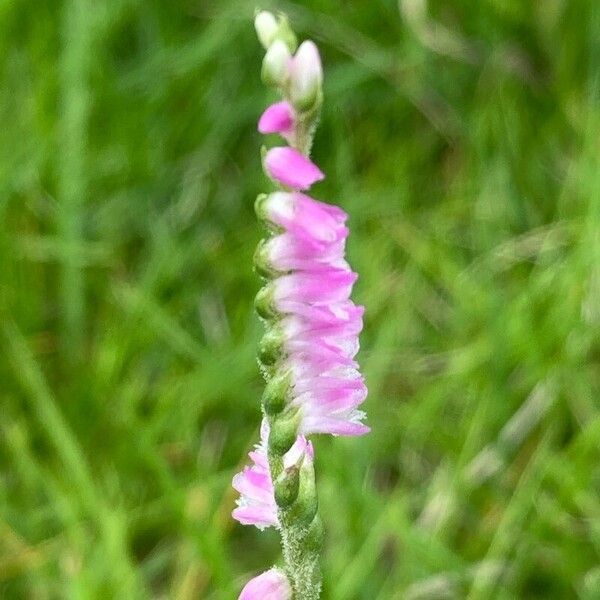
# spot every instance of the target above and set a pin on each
(311, 339)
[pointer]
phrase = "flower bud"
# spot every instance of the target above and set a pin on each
(306, 77)
(276, 64)
(277, 118)
(266, 27)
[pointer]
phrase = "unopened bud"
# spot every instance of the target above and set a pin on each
(276, 64)
(306, 77)
(266, 27)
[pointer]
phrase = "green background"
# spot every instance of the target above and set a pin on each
(462, 137)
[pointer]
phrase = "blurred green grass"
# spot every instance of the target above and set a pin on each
(464, 140)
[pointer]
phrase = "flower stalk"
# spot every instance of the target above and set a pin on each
(306, 355)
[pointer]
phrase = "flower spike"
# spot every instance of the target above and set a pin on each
(308, 352)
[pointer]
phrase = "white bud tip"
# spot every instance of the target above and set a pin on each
(276, 63)
(266, 27)
(306, 76)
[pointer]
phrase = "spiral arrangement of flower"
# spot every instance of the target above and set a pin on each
(307, 354)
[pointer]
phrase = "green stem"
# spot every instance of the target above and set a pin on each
(301, 529)
(301, 547)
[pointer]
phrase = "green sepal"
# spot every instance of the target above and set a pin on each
(309, 104)
(287, 486)
(316, 536)
(286, 34)
(303, 511)
(261, 262)
(260, 199)
(270, 347)
(283, 434)
(263, 303)
(276, 393)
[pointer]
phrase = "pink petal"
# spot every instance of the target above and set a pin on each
(306, 218)
(259, 516)
(331, 314)
(287, 252)
(334, 426)
(256, 504)
(253, 485)
(271, 585)
(291, 168)
(322, 288)
(331, 403)
(277, 118)
(301, 448)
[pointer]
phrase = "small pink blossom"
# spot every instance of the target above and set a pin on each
(291, 168)
(286, 252)
(270, 585)
(319, 287)
(256, 504)
(277, 118)
(306, 218)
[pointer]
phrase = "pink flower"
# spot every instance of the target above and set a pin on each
(270, 585)
(291, 168)
(285, 253)
(278, 118)
(256, 504)
(326, 385)
(318, 328)
(305, 218)
(318, 288)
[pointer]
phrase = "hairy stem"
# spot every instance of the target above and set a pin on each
(302, 558)
(301, 532)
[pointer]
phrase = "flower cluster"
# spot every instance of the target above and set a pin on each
(256, 505)
(307, 354)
